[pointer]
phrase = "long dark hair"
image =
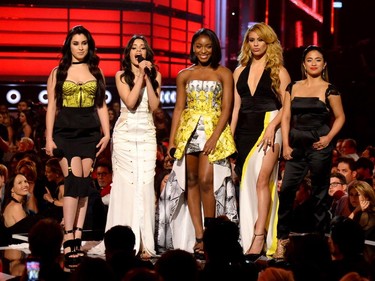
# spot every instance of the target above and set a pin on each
(8, 193)
(216, 50)
(324, 56)
(126, 64)
(91, 59)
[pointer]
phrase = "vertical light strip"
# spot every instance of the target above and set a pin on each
(221, 26)
(299, 34)
(332, 17)
(315, 38)
(267, 12)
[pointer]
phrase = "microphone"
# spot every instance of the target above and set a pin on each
(172, 152)
(146, 70)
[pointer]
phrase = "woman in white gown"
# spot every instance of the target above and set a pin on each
(132, 197)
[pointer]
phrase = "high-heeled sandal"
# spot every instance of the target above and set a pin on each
(198, 249)
(255, 256)
(71, 259)
(78, 243)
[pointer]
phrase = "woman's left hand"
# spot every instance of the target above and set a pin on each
(364, 203)
(268, 139)
(209, 146)
(322, 143)
(102, 144)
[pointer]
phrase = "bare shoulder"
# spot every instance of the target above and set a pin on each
(283, 71)
(118, 73)
(238, 70)
(184, 74)
(224, 70)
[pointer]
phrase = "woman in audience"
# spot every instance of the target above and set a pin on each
(15, 214)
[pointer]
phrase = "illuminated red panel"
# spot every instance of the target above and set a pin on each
(177, 65)
(33, 39)
(193, 26)
(131, 16)
(36, 13)
(161, 20)
(86, 14)
(179, 23)
(162, 2)
(161, 44)
(26, 67)
(33, 25)
(164, 69)
(180, 46)
(23, 55)
(180, 5)
(110, 68)
(178, 34)
(195, 7)
(161, 31)
(133, 28)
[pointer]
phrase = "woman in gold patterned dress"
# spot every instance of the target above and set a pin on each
(77, 129)
(201, 141)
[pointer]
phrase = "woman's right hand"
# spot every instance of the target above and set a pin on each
(50, 146)
(287, 152)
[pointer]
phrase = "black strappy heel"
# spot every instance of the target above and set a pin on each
(198, 251)
(72, 259)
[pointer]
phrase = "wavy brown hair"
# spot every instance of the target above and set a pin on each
(274, 53)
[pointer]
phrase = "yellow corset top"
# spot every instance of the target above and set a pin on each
(204, 96)
(79, 94)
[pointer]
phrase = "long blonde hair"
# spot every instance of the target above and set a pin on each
(274, 53)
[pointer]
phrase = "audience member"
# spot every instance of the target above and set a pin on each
(55, 192)
(15, 214)
(346, 166)
(364, 168)
(275, 274)
(362, 205)
(163, 242)
(177, 265)
(93, 269)
(23, 126)
(353, 276)
(45, 239)
(346, 242)
(4, 139)
(3, 180)
(141, 274)
(308, 256)
(337, 189)
(224, 256)
(119, 244)
(25, 144)
(35, 202)
(112, 116)
(349, 149)
(369, 153)
(103, 173)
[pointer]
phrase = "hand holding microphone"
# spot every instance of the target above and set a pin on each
(146, 69)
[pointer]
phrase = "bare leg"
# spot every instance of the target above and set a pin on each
(206, 186)
(264, 200)
(84, 167)
(193, 194)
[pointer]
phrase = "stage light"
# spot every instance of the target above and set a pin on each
(13, 96)
(108, 98)
(43, 98)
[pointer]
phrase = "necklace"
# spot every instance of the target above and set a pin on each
(78, 62)
(15, 200)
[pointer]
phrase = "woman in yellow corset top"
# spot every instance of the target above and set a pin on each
(201, 141)
(77, 129)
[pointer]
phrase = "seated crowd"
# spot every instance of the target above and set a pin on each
(31, 197)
